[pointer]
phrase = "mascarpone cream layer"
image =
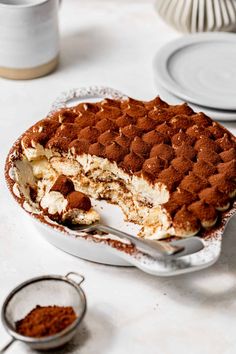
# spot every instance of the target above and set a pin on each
(100, 178)
(55, 203)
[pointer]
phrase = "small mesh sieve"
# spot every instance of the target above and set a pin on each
(44, 291)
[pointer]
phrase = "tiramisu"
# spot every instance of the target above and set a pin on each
(172, 171)
(63, 203)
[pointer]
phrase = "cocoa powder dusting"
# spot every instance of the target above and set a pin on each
(45, 321)
(193, 156)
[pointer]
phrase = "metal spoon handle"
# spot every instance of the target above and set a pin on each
(153, 248)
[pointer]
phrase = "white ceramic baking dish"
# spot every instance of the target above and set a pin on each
(107, 249)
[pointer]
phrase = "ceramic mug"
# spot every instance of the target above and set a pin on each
(29, 38)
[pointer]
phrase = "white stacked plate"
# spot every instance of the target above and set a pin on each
(201, 70)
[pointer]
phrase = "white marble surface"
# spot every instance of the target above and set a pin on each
(112, 43)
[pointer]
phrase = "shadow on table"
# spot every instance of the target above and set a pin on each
(211, 286)
(84, 46)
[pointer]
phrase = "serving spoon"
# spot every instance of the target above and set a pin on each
(153, 248)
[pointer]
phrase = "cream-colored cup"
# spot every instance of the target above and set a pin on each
(29, 38)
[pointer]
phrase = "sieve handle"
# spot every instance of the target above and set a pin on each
(7, 345)
(77, 275)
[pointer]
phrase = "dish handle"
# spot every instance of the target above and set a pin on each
(74, 96)
(179, 266)
(173, 266)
